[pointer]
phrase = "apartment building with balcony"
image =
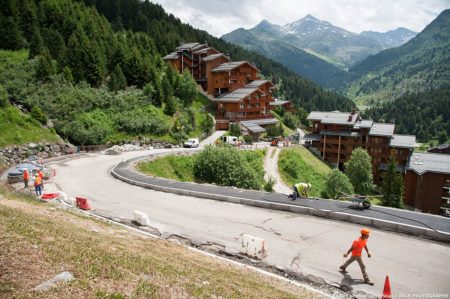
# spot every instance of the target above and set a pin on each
(334, 135)
(235, 86)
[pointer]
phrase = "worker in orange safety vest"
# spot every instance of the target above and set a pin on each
(25, 177)
(38, 185)
(356, 250)
(41, 175)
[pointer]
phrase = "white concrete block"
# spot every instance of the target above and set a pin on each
(141, 218)
(253, 246)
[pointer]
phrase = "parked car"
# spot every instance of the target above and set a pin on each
(192, 142)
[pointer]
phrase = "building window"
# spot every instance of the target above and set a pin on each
(242, 106)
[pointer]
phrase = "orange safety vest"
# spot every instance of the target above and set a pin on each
(40, 174)
(358, 246)
(25, 175)
(37, 181)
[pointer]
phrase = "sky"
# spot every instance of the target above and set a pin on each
(219, 17)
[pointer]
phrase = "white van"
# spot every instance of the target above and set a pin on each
(230, 139)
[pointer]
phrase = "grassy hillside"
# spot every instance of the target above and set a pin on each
(182, 168)
(18, 128)
(108, 261)
(297, 164)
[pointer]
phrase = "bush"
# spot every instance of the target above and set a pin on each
(235, 130)
(89, 128)
(224, 166)
(37, 114)
(336, 183)
(268, 186)
(248, 139)
(359, 171)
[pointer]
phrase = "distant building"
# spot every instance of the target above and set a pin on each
(286, 105)
(440, 149)
(427, 183)
(234, 86)
(336, 134)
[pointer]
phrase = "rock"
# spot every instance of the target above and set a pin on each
(55, 148)
(32, 145)
(46, 149)
(61, 277)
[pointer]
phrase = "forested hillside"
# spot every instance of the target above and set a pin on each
(168, 31)
(77, 70)
(98, 75)
(421, 64)
(426, 115)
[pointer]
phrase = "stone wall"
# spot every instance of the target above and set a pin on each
(14, 154)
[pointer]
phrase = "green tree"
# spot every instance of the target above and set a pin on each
(170, 106)
(207, 124)
(336, 183)
(290, 120)
(37, 46)
(359, 171)
(117, 80)
(392, 186)
(45, 67)
(187, 89)
(442, 137)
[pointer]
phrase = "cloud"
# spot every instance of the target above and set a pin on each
(219, 17)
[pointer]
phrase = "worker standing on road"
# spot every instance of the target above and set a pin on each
(38, 185)
(25, 178)
(356, 251)
(41, 175)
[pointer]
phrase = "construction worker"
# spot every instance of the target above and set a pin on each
(300, 189)
(356, 250)
(41, 175)
(38, 185)
(25, 177)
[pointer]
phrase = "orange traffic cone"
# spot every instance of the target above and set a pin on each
(387, 289)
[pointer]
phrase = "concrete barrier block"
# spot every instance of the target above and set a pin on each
(253, 246)
(141, 218)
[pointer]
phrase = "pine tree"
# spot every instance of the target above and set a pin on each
(117, 80)
(392, 186)
(45, 67)
(10, 34)
(170, 107)
(36, 44)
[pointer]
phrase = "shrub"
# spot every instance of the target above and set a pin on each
(336, 183)
(89, 128)
(235, 130)
(37, 114)
(224, 166)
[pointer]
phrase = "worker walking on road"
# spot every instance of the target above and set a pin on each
(25, 178)
(356, 251)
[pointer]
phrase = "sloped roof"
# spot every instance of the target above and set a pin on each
(257, 83)
(171, 56)
(278, 103)
(187, 46)
(235, 95)
(335, 117)
(228, 66)
(340, 133)
(381, 129)
(405, 141)
(363, 124)
(255, 125)
(428, 162)
(214, 56)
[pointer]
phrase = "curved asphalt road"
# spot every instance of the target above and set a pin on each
(295, 242)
